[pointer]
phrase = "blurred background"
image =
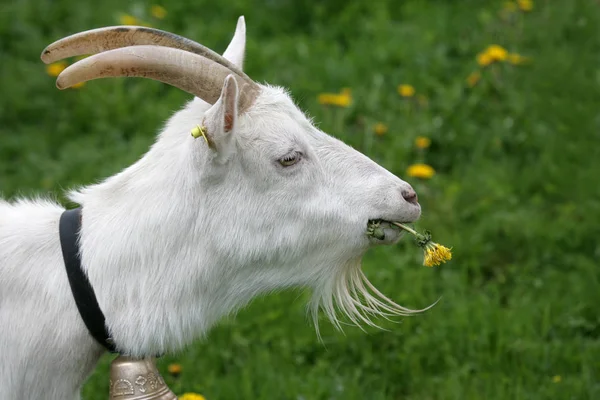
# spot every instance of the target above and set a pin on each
(491, 109)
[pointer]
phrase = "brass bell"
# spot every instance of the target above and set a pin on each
(132, 379)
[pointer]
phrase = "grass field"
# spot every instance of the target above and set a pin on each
(516, 191)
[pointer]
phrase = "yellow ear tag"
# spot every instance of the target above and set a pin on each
(199, 131)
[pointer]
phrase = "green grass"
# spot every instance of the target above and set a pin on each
(516, 191)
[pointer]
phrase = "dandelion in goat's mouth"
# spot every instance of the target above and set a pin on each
(435, 253)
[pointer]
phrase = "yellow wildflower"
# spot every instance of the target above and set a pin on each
(491, 54)
(191, 396)
(174, 369)
(380, 129)
(78, 85)
(484, 59)
(127, 19)
(341, 100)
(525, 5)
(406, 90)
(422, 171)
(422, 142)
(158, 12)
(473, 78)
(434, 253)
(497, 53)
(56, 68)
(556, 378)
(516, 59)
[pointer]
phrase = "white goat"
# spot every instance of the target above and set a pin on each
(196, 228)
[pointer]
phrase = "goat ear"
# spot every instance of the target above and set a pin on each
(237, 47)
(221, 118)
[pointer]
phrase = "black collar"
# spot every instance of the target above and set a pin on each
(70, 225)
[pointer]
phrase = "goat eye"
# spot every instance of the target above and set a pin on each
(290, 159)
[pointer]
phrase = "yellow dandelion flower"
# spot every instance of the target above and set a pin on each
(158, 12)
(78, 85)
(56, 68)
(473, 78)
(127, 19)
(525, 5)
(422, 171)
(334, 99)
(191, 396)
(174, 369)
(491, 54)
(510, 6)
(484, 59)
(434, 253)
(422, 142)
(380, 129)
(556, 379)
(516, 59)
(497, 53)
(406, 90)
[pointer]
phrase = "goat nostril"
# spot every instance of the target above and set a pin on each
(410, 195)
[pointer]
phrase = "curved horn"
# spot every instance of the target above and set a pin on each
(189, 72)
(113, 37)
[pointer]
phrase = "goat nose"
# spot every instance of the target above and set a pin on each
(410, 195)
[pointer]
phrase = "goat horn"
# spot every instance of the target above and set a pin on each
(192, 73)
(114, 37)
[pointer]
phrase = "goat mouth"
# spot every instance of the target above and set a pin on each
(383, 231)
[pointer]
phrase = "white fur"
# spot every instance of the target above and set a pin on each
(189, 234)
